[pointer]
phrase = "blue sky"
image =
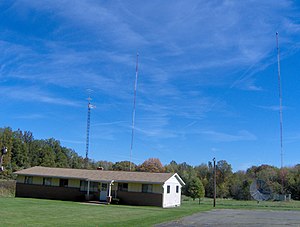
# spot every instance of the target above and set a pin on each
(207, 83)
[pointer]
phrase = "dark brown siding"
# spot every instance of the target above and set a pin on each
(139, 198)
(49, 192)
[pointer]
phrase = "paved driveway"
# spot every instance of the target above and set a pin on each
(238, 218)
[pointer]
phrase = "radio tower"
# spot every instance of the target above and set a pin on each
(90, 106)
(133, 111)
(280, 112)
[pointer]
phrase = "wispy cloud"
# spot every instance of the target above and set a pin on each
(272, 108)
(34, 94)
(242, 135)
(30, 116)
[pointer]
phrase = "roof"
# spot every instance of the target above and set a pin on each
(99, 175)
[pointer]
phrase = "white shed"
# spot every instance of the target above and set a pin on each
(172, 191)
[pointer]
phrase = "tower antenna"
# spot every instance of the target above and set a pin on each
(90, 106)
(280, 109)
(133, 111)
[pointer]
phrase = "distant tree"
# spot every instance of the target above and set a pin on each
(124, 166)
(172, 167)
(293, 182)
(151, 165)
(196, 189)
(239, 186)
(19, 154)
(104, 164)
(186, 172)
(224, 173)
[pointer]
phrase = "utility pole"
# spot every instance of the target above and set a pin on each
(215, 182)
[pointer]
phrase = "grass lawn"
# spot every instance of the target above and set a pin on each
(39, 212)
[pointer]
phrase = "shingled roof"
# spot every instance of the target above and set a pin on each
(99, 175)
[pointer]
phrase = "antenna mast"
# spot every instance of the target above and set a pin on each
(133, 111)
(280, 107)
(90, 106)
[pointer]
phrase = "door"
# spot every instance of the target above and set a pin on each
(103, 191)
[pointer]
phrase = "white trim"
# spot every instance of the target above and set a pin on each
(88, 188)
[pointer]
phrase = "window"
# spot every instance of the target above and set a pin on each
(104, 187)
(63, 182)
(168, 189)
(84, 186)
(177, 189)
(28, 180)
(47, 181)
(147, 188)
(94, 186)
(123, 187)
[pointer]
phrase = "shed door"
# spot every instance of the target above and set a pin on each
(103, 192)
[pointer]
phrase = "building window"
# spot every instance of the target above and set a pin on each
(63, 182)
(84, 186)
(168, 189)
(147, 188)
(47, 181)
(177, 189)
(28, 180)
(123, 187)
(94, 186)
(104, 187)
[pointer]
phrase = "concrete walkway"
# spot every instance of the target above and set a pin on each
(239, 218)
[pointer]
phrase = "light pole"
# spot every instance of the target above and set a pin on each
(3, 152)
(215, 182)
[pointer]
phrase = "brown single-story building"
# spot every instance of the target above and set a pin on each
(133, 188)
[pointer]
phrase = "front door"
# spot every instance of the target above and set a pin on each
(103, 191)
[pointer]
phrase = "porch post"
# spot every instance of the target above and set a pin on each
(109, 188)
(108, 198)
(88, 189)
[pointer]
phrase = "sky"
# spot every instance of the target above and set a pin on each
(207, 78)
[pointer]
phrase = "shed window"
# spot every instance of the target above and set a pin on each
(147, 188)
(47, 181)
(168, 189)
(177, 189)
(28, 180)
(63, 182)
(123, 187)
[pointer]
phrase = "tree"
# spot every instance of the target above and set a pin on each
(102, 164)
(196, 189)
(172, 167)
(124, 166)
(240, 186)
(151, 165)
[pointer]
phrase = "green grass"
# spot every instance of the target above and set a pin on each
(250, 205)
(39, 212)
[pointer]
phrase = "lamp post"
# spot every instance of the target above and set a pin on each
(3, 152)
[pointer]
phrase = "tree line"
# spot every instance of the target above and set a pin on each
(23, 151)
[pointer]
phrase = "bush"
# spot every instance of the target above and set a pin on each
(7, 188)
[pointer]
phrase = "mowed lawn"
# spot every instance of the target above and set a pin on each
(39, 212)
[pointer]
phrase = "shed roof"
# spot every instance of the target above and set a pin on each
(99, 175)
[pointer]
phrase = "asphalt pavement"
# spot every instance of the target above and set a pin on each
(239, 218)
